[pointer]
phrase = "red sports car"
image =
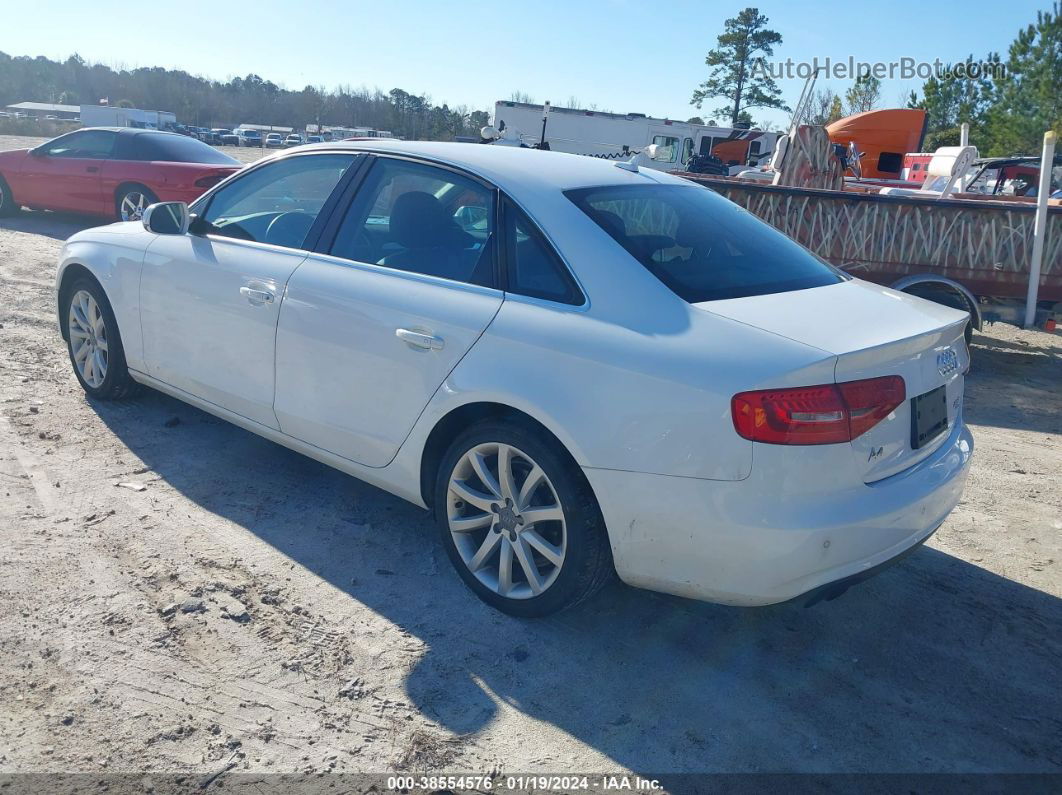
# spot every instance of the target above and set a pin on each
(110, 171)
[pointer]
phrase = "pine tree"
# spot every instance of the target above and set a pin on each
(736, 68)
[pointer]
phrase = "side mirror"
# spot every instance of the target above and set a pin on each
(166, 218)
(38, 152)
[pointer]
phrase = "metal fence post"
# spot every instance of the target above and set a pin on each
(1043, 193)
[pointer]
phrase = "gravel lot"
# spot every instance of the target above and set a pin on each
(232, 605)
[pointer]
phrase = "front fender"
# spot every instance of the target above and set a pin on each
(112, 255)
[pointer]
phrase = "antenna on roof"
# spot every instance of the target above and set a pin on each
(640, 158)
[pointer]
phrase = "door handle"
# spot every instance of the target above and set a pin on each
(419, 339)
(92, 169)
(257, 296)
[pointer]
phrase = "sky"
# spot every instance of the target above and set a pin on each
(622, 55)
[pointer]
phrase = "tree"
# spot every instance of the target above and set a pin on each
(825, 107)
(695, 120)
(949, 100)
(737, 67)
(863, 95)
(1028, 101)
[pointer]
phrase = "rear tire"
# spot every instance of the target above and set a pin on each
(93, 341)
(531, 543)
(131, 201)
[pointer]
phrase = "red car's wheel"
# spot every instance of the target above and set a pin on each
(131, 201)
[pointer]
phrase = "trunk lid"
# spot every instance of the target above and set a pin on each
(874, 331)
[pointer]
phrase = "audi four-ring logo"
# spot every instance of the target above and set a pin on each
(947, 362)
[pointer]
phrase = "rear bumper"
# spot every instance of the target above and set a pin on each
(768, 539)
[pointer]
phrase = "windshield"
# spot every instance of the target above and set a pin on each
(702, 246)
(178, 149)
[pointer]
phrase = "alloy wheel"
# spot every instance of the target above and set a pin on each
(133, 205)
(88, 338)
(506, 520)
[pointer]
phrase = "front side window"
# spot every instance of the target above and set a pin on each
(666, 148)
(278, 202)
(423, 219)
(700, 245)
(93, 144)
(533, 267)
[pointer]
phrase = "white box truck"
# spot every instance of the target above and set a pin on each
(113, 116)
(619, 135)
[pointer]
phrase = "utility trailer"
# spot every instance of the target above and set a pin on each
(969, 253)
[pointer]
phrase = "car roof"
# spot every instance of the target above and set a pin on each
(512, 168)
(129, 131)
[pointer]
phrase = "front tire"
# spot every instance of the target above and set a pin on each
(131, 201)
(7, 201)
(93, 342)
(519, 521)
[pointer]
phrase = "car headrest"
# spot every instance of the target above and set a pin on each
(613, 224)
(419, 220)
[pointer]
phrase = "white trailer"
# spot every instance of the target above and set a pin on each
(113, 116)
(619, 135)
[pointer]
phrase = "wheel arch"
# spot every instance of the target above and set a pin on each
(451, 424)
(70, 274)
(943, 284)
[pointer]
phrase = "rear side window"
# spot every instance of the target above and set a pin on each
(534, 269)
(422, 219)
(702, 246)
(177, 149)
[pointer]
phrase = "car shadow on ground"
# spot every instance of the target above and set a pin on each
(1011, 385)
(934, 665)
(56, 225)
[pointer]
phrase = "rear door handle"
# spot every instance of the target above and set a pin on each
(257, 296)
(92, 169)
(419, 339)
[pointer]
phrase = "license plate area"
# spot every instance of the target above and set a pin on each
(929, 416)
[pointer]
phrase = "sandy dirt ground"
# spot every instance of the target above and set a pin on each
(181, 595)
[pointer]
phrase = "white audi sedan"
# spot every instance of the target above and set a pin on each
(581, 367)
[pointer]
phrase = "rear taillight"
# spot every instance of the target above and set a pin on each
(824, 414)
(210, 181)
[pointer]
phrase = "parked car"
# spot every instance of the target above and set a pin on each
(293, 140)
(217, 135)
(110, 171)
(250, 137)
(578, 367)
(274, 141)
(230, 138)
(314, 139)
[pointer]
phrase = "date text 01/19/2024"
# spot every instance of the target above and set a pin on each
(560, 783)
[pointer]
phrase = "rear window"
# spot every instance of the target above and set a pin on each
(702, 246)
(178, 149)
